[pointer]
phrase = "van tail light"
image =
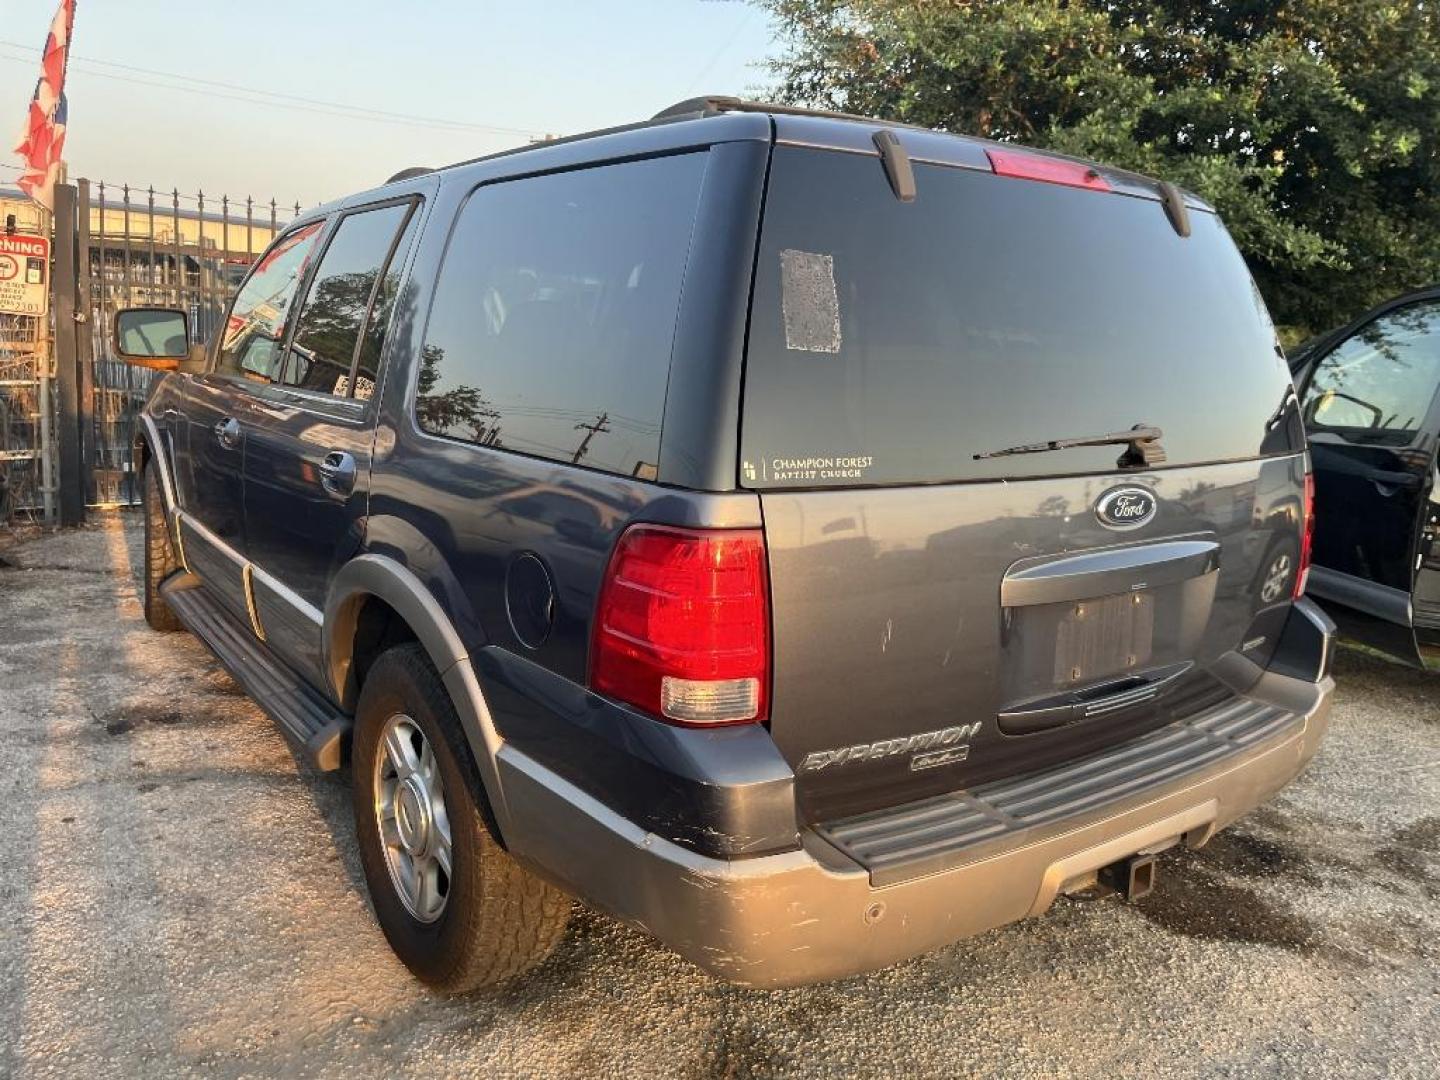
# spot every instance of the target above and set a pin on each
(1307, 536)
(1050, 170)
(682, 629)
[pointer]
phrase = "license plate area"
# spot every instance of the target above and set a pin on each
(1098, 638)
(1087, 652)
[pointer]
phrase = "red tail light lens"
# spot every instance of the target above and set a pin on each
(1050, 170)
(682, 626)
(1307, 537)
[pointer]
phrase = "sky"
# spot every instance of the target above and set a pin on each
(280, 98)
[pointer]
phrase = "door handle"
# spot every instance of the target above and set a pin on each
(337, 472)
(228, 432)
(1123, 693)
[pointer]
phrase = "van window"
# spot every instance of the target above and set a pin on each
(1377, 385)
(323, 347)
(250, 343)
(892, 342)
(555, 310)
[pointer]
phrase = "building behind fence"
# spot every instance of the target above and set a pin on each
(132, 248)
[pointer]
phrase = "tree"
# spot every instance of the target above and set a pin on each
(1313, 126)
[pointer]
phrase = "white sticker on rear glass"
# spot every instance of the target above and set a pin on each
(809, 301)
(827, 467)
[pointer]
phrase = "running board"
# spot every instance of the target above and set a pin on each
(316, 726)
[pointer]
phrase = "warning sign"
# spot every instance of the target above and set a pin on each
(24, 272)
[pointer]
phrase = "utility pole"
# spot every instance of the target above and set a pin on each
(599, 427)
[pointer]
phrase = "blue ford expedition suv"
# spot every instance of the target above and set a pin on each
(808, 539)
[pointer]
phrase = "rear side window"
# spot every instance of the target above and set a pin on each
(892, 342)
(554, 314)
(1377, 385)
(324, 346)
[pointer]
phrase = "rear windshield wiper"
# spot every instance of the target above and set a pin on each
(1142, 440)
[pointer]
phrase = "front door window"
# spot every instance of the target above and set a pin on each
(250, 343)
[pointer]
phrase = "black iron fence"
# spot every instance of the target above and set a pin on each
(67, 405)
(151, 249)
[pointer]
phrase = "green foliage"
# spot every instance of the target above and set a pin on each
(1312, 125)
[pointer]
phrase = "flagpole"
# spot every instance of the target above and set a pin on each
(48, 486)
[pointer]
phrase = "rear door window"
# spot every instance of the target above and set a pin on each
(554, 314)
(323, 350)
(1376, 386)
(892, 342)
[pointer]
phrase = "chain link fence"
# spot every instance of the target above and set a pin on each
(23, 359)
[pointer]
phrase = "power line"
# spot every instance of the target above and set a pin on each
(274, 99)
(290, 97)
(695, 84)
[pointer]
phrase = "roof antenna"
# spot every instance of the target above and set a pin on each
(1175, 208)
(897, 165)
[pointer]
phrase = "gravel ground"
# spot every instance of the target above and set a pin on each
(178, 896)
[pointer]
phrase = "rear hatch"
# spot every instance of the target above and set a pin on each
(946, 615)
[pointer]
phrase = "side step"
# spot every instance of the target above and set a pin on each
(316, 726)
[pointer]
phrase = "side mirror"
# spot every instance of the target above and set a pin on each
(156, 338)
(1319, 409)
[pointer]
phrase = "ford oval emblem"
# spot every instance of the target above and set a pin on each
(1126, 507)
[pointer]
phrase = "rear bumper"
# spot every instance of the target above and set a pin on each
(817, 913)
(813, 914)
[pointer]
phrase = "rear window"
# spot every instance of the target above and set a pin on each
(892, 342)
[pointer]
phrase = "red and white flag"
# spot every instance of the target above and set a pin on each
(42, 141)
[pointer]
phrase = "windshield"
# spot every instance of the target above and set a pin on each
(892, 342)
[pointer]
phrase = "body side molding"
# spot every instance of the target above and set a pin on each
(1381, 601)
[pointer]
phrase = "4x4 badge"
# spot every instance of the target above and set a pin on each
(1125, 507)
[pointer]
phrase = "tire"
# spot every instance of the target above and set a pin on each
(497, 919)
(160, 561)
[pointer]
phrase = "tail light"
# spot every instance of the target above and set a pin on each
(1050, 170)
(1307, 536)
(682, 626)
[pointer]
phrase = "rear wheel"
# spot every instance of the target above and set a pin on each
(160, 561)
(455, 907)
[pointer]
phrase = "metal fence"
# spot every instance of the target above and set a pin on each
(66, 403)
(114, 247)
(144, 248)
(23, 360)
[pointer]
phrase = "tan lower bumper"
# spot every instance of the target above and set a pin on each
(811, 915)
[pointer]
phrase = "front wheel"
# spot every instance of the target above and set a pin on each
(455, 907)
(160, 561)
